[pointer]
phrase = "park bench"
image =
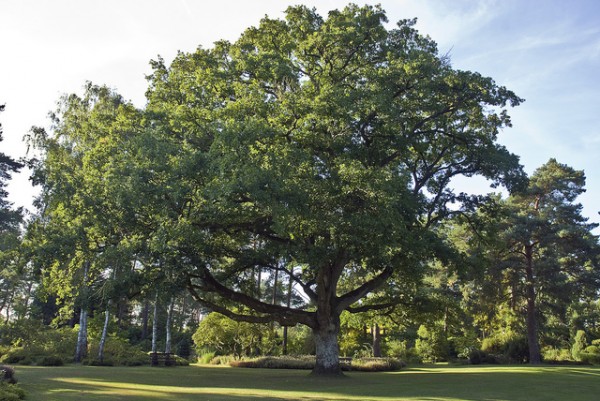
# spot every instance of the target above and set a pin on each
(162, 359)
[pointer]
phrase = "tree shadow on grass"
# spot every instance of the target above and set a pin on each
(215, 383)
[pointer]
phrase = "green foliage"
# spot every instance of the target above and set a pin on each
(557, 355)
(35, 344)
(432, 344)
(308, 362)
(591, 355)
(11, 392)
(376, 364)
(227, 337)
(205, 357)
(117, 352)
(270, 362)
(507, 348)
(579, 345)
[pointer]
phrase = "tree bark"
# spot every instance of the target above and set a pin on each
(145, 315)
(376, 340)
(535, 357)
(327, 350)
(288, 303)
(104, 334)
(81, 347)
(168, 327)
(155, 331)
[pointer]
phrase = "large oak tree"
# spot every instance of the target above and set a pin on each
(325, 144)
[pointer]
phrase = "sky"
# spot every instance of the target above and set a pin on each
(547, 52)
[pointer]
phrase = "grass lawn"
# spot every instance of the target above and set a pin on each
(223, 383)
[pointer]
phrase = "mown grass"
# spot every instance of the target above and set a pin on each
(223, 383)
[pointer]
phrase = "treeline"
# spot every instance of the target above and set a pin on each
(298, 184)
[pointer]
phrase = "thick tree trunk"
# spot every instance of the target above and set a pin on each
(532, 325)
(327, 351)
(376, 340)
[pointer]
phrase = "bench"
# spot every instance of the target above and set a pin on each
(162, 359)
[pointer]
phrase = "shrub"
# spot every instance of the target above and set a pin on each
(591, 355)
(118, 352)
(11, 392)
(206, 357)
(376, 364)
(51, 360)
(272, 362)
(308, 362)
(579, 345)
(180, 361)
(556, 355)
(14, 355)
(222, 360)
(507, 349)
(478, 357)
(7, 374)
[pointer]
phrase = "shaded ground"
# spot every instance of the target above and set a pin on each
(222, 383)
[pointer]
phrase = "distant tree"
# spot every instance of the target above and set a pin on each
(15, 279)
(539, 255)
(9, 217)
(552, 245)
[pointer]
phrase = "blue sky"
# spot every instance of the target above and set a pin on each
(548, 52)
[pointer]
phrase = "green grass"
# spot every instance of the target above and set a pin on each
(90, 383)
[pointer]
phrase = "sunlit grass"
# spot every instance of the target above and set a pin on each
(220, 383)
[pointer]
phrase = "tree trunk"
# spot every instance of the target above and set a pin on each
(376, 341)
(155, 331)
(168, 324)
(145, 315)
(81, 347)
(327, 351)
(168, 338)
(289, 302)
(535, 357)
(104, 334)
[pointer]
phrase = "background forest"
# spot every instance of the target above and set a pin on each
(288, 194)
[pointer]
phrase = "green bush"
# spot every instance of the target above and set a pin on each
(206, 357)
(478, 357)
(557, 355)
(15, 355)
(222, 360)
(308, 362)
(507, 349)
(180, 361)
(50, 360)
(579, 345)
(272, 362)
(376, 364)
(117, 352)
(590, 355)
(11, 392)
